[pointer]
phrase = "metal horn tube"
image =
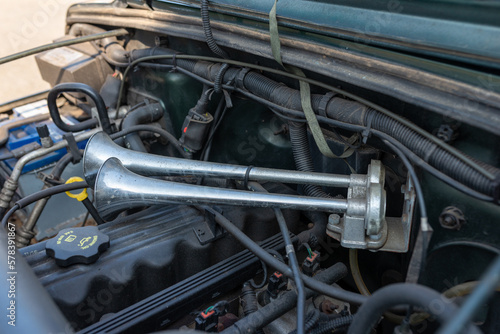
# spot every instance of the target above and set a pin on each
(100, 148)
(118, 189)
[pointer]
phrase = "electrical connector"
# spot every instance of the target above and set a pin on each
(311, 264)
(207, 321)
(277, 284)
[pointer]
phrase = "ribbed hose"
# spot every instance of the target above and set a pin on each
(333, 325)
(302, 157)
(212, 44)
(434, 154)
(147, 114)
(249, 302)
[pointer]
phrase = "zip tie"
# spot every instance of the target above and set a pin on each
(241, 77)
(247, 176)
(174, 64)
(324, 103)
(76, 156)
(367, 132)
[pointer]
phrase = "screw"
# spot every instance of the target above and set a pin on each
(334, 219)
(452, 218)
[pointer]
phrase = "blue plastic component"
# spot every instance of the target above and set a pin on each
(27, 134)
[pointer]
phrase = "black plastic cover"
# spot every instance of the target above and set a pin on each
(77, 245)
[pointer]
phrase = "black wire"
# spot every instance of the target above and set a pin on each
(9, 213)
(25, 201)
(277, 255)
(264, 278)
(291, 119)
(414, 178)
(294, 264)
(218, 116)
(85, 219)
(129, 111)
(423, 211)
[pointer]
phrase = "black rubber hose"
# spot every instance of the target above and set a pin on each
(333, 325)
(285, 303)
(61, 165)
(248, 299)
(249, 302)
(302, 157)
(146, 114)
(400, 294)
(79, 88)
(207, 28)
(112, 48)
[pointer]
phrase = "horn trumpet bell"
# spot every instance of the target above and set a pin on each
(117, 189)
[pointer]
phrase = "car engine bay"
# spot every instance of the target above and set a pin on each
(215, 167)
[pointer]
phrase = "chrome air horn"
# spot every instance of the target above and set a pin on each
(118, 188)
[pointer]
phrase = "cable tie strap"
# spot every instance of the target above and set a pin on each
(247, 176)
(367, 132)
(289, 249)
(241, 77)
(73, 148)
(324, 103)
(174, 63)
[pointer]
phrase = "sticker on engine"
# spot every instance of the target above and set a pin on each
(32, 109)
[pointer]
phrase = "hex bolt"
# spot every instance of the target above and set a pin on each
(334, 219)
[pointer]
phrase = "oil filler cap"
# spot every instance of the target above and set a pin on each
(77, 245)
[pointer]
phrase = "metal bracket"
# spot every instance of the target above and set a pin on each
(208, 230)
(392, 234)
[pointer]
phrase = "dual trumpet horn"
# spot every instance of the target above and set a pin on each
(122, 180)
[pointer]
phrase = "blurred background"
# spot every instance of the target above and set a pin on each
(25, 24)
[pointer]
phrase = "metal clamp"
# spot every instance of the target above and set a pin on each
(363, 225)
(373, 230)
